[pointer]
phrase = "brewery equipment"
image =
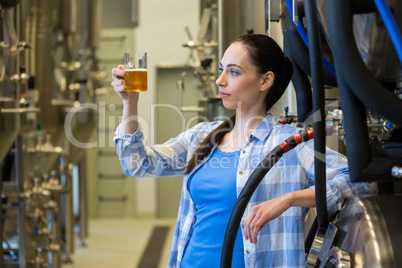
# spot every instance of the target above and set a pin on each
(204, 59)
(348, 45)
(48, 75)
(364, 233)
(217, 30)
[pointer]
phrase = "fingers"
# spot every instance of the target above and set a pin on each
(117, 83)
(118, 79)
(247, 222)
(257, 225)
(254, 222)
(250, 228)
(261, 214)
(118, 73)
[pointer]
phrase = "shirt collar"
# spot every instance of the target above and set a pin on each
(264, 128)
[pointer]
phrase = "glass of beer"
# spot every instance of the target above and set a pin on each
(135, 71)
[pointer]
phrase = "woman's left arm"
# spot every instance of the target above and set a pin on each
(339, 187)
(262, 213)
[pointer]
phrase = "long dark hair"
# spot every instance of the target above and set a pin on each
(266, 55)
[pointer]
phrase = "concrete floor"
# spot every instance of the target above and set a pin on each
(119, 243)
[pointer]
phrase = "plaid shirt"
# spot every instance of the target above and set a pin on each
(280, 242)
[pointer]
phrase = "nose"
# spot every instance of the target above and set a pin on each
(220, 81)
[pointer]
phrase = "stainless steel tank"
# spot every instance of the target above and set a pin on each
(62, 46)
(238, 17)
(47, 37)
(9, 117)
(9, 125)
(47, 61)
(84, 78)
(368, 233)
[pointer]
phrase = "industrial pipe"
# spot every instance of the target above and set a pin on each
(303, 43)
(359, 92)
(301, 83)
(351, 67)
(313, 32)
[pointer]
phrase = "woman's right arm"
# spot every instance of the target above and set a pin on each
(136, 159)
(130, 102)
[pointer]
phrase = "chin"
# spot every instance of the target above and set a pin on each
(228, 105)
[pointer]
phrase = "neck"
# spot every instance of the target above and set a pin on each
(247, 121)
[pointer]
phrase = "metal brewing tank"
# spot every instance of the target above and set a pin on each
(46, 37)
(366, 232)
(64, 39)
(238, 17)
(9, 121)
(369, 232)
(234, 18)
(56, 71)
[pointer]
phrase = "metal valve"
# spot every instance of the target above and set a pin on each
(396, 172)
(23, 45)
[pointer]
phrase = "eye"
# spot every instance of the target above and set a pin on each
(220, 70)
(233, 72)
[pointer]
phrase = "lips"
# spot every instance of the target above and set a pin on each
(223, 94)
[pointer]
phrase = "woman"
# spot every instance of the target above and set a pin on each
(217, 158)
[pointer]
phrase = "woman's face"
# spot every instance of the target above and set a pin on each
(240, 85)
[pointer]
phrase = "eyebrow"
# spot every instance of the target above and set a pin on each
(231, 65)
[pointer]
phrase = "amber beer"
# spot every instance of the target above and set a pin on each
(135, 80)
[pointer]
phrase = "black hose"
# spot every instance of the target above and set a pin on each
(301, 84)
(363, 6)
(308, 242)
(8, 3)
(351, 67)
(300, 52)
(248, 190)
(313, 32)
(358, 149)
(241, 204)
(398, 10)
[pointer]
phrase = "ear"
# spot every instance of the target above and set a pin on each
(268, 80)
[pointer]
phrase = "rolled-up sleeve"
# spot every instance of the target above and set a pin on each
(339, 187)
(138, 160)
(167, 159)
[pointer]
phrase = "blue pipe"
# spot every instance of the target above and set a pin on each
(391, 26)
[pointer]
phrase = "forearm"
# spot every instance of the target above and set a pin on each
(130, 117)
(262, 213)
(301, 198)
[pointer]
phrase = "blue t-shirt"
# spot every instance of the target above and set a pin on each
(213, 190)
